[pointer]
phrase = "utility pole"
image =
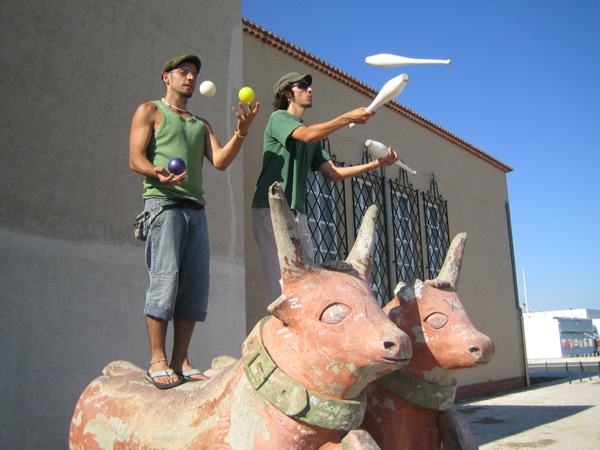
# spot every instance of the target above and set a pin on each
(525, 290)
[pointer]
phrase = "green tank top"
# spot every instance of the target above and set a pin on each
(177, 138)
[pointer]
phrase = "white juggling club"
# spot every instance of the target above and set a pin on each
(389, 90)
(381, 151)
(386, 60)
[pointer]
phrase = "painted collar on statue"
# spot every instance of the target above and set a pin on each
(292, 398)
(420, 392)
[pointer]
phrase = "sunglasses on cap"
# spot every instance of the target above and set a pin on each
(301, 85)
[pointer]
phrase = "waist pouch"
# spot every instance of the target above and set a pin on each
(144, 220)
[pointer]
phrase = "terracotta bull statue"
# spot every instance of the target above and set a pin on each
(299, 384)
(410, 409)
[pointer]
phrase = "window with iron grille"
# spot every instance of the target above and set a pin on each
(368, 189)
(436, 228)
(326, 212)
(406, 229)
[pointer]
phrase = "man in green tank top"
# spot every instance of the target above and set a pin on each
(177, 251)
(292, 149)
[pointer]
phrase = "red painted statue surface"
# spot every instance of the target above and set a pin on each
(410, 409)
(299, 384)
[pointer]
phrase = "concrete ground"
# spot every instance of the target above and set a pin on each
(551, 414)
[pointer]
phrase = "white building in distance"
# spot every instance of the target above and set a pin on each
(562, 333)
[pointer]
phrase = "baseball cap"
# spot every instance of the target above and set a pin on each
(290, 78)
(172, 63)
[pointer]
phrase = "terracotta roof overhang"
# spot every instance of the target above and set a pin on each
(323, 67)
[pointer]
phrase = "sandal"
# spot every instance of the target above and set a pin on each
(163, 373)
(187, 375)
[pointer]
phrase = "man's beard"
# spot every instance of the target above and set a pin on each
(185, 93)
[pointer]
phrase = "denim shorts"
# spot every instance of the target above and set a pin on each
(178, 259)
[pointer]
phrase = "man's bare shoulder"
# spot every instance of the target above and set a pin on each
(202, 119)
(146, 108)
(147, 113)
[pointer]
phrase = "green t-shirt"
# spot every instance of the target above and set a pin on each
(177, 138)
(288, 161)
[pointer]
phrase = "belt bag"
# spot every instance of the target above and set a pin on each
(144, 220)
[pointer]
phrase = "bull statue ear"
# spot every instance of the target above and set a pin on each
(404, 290)
(361, 255)
(293, 261)
(450, 271)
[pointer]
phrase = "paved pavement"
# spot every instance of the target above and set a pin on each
(552, 414)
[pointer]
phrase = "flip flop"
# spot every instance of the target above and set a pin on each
(188, 374)
(163, 373)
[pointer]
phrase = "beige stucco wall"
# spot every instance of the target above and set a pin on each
(476, 192)
(72, 277)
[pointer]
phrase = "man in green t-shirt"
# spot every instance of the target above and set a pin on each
(292, 149)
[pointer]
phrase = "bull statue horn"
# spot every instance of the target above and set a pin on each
(450, 271)
(361, 255)
(293, 260)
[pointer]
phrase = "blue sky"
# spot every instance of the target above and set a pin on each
(523, 86)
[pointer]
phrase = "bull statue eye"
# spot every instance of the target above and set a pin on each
(335, 313)
(436, 320)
